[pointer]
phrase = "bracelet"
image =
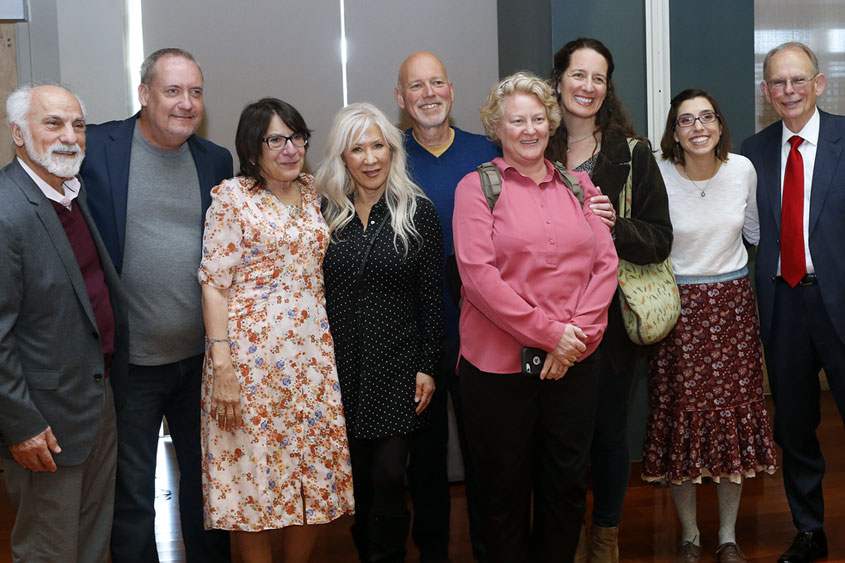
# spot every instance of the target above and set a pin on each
(216, 340)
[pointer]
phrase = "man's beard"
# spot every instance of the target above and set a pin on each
(63, 167)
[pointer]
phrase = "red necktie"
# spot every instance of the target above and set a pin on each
(792, 263)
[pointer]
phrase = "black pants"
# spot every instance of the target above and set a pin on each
(803, 341)
(381, 512)
(428, 478)
(171, 390)
(610, 461)
(531, 438)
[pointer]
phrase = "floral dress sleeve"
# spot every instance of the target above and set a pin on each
(222, 243)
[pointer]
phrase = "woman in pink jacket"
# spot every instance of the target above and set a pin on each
(538, 273)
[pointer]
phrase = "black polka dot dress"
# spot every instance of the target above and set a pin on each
(392, 328)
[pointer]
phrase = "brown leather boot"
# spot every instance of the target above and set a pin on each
(581, 550)
(604, 546)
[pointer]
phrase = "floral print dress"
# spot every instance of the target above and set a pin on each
(288, 463)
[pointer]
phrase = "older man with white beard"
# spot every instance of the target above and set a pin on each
(61, 319)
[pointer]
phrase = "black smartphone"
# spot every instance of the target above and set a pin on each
(532, 361)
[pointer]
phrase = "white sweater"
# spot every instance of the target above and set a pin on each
(708, 230)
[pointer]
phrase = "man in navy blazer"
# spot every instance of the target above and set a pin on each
(800, 275)
(149, 180)
(62, 339)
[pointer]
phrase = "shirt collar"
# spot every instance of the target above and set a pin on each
(810, 131)
(503, 165)
(71, 187)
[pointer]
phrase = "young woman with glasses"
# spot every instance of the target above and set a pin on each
(708, 418)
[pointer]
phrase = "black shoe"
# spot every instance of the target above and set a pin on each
(806, 547)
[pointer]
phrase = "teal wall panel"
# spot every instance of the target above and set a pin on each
(712, 48)
(619, 24)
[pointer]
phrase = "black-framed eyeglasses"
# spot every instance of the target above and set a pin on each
(277, 142)
(799, 83)
(688, 119)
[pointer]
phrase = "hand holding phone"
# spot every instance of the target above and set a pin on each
(532, 361)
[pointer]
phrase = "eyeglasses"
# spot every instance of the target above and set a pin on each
(688, 120)
(277, 142)
(799, 83)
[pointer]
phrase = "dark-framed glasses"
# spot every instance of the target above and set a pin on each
(688, 119)
(277, 142)
(799, 83)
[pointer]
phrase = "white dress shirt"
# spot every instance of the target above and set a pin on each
(71, 187)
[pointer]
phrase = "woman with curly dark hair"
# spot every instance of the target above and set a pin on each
(598, 137)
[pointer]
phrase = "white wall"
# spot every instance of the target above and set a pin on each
(287, 49)
(79, 44)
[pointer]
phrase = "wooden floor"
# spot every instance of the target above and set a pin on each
(649, 528)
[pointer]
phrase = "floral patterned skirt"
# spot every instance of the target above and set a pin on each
(707, 414)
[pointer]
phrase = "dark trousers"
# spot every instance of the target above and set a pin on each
(381, 512)
(610, 463)
(803, 341)
(428, 476)
(531, 438)
(171, 390)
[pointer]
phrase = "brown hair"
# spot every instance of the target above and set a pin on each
(671, 148)
(612, 119)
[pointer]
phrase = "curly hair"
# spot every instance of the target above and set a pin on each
(522, 82)
(612, 119)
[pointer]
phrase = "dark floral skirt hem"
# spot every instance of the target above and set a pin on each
(731, 444)
(707, 416)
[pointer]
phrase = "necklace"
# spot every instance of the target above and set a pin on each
(703, 191)
(570, 143)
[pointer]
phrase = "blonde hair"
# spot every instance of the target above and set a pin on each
(519, 83)
(335, 183)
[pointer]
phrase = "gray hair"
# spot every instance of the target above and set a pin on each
(814, 60)
(148, 66)
(19, 102)
(335, 183)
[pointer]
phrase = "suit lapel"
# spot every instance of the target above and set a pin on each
(53, 226)
(105, 261)
(769, 174)
(828, 154)
(118, 152)
(205, 171)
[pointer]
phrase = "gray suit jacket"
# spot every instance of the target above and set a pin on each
(51, 358)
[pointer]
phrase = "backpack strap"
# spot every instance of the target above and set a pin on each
(624, 205)
(571, 182)
(491, 183)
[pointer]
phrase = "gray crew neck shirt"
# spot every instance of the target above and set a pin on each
(162, 252)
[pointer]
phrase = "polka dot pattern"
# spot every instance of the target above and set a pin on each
(392, 328)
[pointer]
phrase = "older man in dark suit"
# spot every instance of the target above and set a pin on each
(62, 320)
(149, 180)
(800, 275)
